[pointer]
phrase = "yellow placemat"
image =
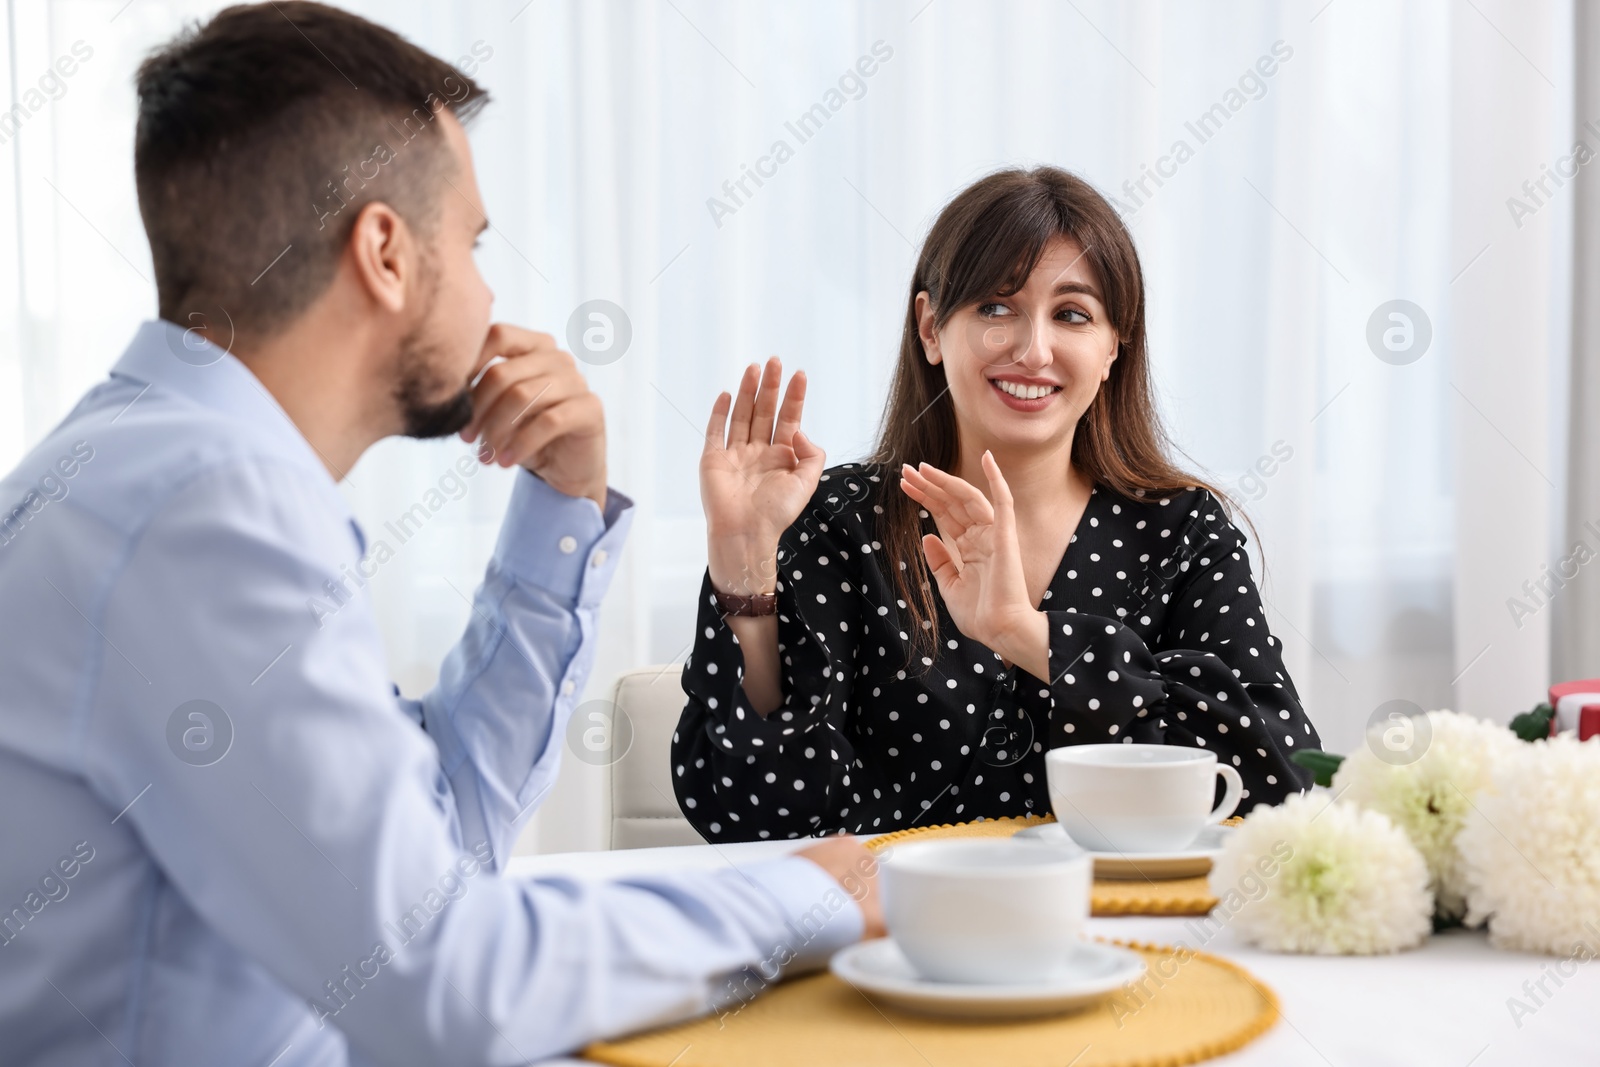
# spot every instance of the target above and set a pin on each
(1172, 896)
(1188, 1007)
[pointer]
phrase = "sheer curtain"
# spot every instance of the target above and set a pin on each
(1288, 170)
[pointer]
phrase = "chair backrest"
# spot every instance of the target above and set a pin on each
(644, 811)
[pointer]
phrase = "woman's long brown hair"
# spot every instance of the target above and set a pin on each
(986, 242)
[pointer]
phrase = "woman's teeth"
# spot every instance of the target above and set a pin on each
(1025, 392)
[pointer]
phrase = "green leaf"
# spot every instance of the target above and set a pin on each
(1319, 763)
(1535, 724)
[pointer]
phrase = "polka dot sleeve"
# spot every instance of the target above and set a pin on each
(739, 776)
(1211, 675)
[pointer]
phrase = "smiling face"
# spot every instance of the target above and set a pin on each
(1023, 367)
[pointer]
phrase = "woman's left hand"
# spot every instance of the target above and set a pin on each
(978, 564)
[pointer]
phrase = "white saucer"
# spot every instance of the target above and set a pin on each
(1184, 863)
(878, 969)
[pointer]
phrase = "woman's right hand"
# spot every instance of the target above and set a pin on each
(757, 471)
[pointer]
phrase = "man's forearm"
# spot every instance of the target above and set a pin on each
(507, 689)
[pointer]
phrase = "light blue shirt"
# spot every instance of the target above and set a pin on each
(229, 840)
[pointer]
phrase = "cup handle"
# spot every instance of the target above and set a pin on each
(1230, 799)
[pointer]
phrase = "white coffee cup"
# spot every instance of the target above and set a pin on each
(1137, 798)
(986, 911)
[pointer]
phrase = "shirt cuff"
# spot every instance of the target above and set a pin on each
(1103, 678)
(737, 729)
(565, 544)
(819, 917)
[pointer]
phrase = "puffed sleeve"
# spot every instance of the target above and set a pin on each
(1214, 679)
(738, 775)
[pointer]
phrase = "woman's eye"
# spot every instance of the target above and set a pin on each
(990, 311)
(1074, 316)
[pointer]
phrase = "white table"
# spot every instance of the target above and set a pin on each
(1443, 1005)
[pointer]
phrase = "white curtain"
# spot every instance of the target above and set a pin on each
(1334, 157)
(1576, 648)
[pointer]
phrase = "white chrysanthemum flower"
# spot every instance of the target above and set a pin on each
(1430, 796)
(1315, 876)
(1531, 851)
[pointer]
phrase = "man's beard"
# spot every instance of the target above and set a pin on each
(420, 416)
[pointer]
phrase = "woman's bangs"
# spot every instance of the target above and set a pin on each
(999, 254)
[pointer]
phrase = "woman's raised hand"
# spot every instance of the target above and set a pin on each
(977, 562)
(757, 471)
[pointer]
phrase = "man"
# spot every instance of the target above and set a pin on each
(229, 839)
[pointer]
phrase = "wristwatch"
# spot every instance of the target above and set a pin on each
(756, 604)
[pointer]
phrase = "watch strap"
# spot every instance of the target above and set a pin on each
(753, 605)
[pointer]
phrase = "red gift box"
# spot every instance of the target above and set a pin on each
(1576, 704)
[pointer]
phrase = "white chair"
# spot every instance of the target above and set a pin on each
(644, 811)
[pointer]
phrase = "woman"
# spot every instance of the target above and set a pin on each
(1017, 567)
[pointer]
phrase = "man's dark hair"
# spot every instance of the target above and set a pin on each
(269, 128)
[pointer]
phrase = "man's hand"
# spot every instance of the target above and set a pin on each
(855, 868)
(534, 408)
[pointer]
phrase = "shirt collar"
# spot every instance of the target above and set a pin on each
(165, 354)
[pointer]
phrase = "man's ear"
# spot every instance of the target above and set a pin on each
(925, 328)
(383, 253)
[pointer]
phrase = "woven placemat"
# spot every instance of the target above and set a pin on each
(1188, 1007)
(1172, 896)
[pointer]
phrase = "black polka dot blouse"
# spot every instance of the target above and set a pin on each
(1157, 634)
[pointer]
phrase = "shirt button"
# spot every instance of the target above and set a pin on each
(567, 687)
(568, 544)
(599, 557)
